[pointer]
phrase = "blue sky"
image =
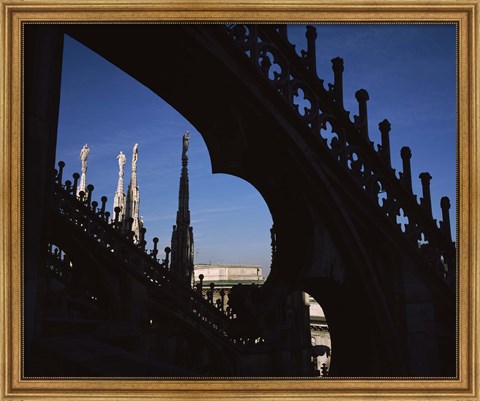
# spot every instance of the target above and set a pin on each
(408, 70)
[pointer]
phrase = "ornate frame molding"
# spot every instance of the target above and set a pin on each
(464, 12)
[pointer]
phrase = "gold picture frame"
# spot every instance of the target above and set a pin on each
(464, 12)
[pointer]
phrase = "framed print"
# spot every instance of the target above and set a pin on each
(333, 252)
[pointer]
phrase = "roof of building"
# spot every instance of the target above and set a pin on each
(233, 266)
(223, 273)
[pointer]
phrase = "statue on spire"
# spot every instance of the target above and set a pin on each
(135, 157)
(83, 157)
(133, 201)
(186, 138)
(119, 200)
(121, 162)
(82, 187)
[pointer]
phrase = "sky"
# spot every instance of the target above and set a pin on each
(409, 72)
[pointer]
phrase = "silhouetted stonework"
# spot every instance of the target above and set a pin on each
(334, 202)
(215, 281)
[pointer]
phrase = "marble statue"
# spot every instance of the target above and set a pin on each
(121, 162)
(135, 157)
(83, 157)
(186, 138)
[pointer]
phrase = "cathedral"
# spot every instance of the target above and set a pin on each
(284, 341)
(99, 303)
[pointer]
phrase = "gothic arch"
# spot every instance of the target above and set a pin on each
(241, 122)
(254, 136)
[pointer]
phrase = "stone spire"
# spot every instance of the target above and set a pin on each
(120, 200)
(133, 200)
(182, 235)
(82, 187)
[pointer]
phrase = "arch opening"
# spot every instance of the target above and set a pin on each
(322, 352)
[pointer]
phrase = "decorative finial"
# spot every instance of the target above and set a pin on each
(445, 223)
(384, 128)
(155, 247)
(426, 201)
(310, 55)
(337, 66)
(362, 95)
(61, 165)
(362, 119)
(406, 175)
